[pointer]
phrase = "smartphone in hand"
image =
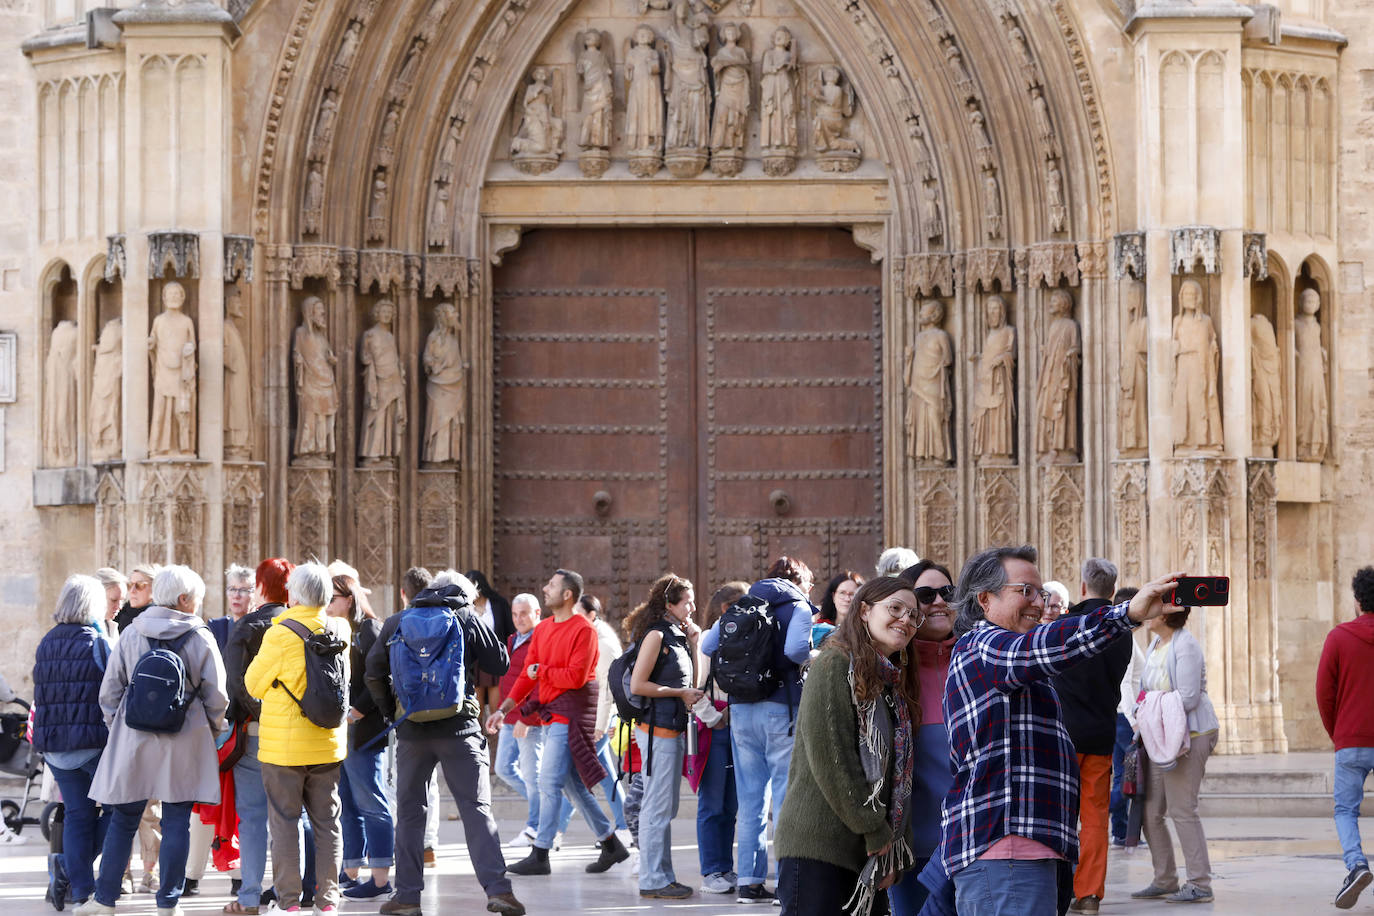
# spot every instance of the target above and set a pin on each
(1201, 591)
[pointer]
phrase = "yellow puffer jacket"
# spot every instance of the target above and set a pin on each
(285, 736)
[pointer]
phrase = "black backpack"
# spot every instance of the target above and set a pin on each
(627, 705)
(325, 699)
(157, 695)
(743, 663)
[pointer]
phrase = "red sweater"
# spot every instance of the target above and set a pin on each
(1345, 683)
(566, 654)
(517, 664)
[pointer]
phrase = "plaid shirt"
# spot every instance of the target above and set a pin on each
(1015, 770)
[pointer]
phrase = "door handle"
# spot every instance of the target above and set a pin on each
(601, 503)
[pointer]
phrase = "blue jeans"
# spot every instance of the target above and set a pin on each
(250, 800)
(662, 786)
(119, 840)
(610, 786)
(908, 895)
(83, 831)
(557, 775)
(1008, 887)
(1353, 765)
(369, 836)
(508, 758)
(531, 751)
(763, 750)
(1120, 804)
(716, 807)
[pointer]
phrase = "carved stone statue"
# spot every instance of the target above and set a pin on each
(834, 98)
(598, 96)
(930, 402)
(317, 394)
(386, 141)
(1134, 408)
(238, 391)
(1312, 411)
(377, 209)
(1266, 411)
(994, 400)
(1197, 359)
(446, 393)
(689, 94)
(1044, 128)
(348, 49)
(538, 145)
(314, 198)
(644, 104)
(324, 122)
(384, 380)
(730, 121)
(60, 396)
(778, 105)
(992, 205)
(1054, 196)
(172, 351)
(107, 389)
(1056, 404)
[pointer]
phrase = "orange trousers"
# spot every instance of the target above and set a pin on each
(1094, 804)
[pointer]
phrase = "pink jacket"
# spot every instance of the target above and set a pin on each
(1162, 723)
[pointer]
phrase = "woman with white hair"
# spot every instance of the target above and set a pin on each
(895, 559)
(1057, 603)
(180, 767)
(68, 726)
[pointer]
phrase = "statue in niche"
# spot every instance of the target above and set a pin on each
(834, 98)
(107, 389)
(324, 121)
(1312, 411)
(411, 66)
(730, 120)
(438, 217)
(386, 143)
(314, 198)
(1054, 195)
(538, 144)
(1197, 359)
(688, 128)
(238, 390)
(172, 351)
(384, 380)
(449, 152)
(981, 138)
(348, 48)
(962, 80)
(778, 105)
(1041, 109)
(446, 394)
(317, 394)
(1134, 409)
(992, 205)
(377, 209)
(930, 402)
(598, 98)
(925, 167)
(59, 396)
(994, 400)
(494, 39)
(935, 215)
(1265, 400)
(644, 104)
(1056, 405)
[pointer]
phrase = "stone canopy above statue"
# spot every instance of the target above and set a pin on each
(682, 89)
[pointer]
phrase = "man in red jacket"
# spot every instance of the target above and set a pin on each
(1345, 698)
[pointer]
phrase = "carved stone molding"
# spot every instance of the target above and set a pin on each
(110, 514)
(439, 530)
(175, 249)
(929, 274)
(1194, 249)
(980, 267)
(1092, 260)
(277, 261)
(1131, 509)
(171, 504)
(871, 237)
(243, 512)
(937, 511)
(375, 512)
(446, 274)
(1129, 255)
(116, 257)
(310, 506)
(504, 238)
(1048, 263)
(385, 268)
(238, 258)
(1201, 489)
(315, 261)
(1061, 519)
(1083, 71)
(1262, 492)
(999, 505)
(1256, 257)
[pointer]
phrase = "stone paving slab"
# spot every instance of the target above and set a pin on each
(1262, 866)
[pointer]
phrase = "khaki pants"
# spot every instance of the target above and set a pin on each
(150, 836)
(316, 788)
(1175, 793)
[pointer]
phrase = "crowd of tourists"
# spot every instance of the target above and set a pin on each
(914, 744)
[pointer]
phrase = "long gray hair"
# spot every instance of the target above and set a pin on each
(984, 572)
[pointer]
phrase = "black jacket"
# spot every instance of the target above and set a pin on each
(245, 639)
(482, 651)
(1090, 691)
(127, 614)
(372, 723)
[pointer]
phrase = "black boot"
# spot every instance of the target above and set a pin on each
(191, 888)
(536, 863)
(612, 851)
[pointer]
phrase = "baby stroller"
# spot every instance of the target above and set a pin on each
(19, 758)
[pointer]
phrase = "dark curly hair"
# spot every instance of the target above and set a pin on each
(829, 612)
(789, 568)
(1363, 585)
(666, 590)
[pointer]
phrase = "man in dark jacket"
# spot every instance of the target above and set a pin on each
(455, 744)
(1089, 693)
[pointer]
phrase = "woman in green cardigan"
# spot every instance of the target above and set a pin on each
(844, 833)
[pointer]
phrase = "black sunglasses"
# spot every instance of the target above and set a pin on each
(926, 595)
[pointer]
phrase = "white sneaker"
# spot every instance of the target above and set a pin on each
(170, 911)
(717, 883)
(522, 839)
(627, 838)
(9, 838)
(93, 907)
(558, 842)
(634, 861)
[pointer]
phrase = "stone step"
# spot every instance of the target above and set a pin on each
(1269, 785)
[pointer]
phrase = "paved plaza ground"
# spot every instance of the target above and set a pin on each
(1288, 865)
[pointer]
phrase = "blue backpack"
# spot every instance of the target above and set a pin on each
(157, 695)
(427, 673)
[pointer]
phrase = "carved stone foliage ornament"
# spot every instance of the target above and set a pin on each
(1050, 262)
(1312, 412)
(778, 104)
(596, 95)
(999, 506)
(1197, 363)
(317, 395)
(1062, 519)
(538, 143)
(985, 267)
(930, 398)
(1195, 249)
(1129, 255)
(1131, 509)
(937, 510)
(994, 399)
(172, 352)
(1056, 421)
(929, 274)
(834, 103)
(179, 251)
(107, 388)
(60, 396)
(730, 118)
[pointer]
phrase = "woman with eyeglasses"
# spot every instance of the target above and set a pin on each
(366, 820)
(839, 595)
(844, 834)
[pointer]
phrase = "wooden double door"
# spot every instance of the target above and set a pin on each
(689, 400)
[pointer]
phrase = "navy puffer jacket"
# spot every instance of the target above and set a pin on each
(67, 672)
